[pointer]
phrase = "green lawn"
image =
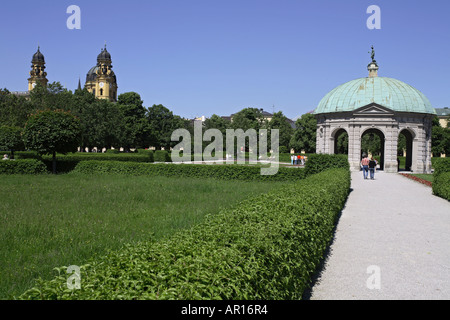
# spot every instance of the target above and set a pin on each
(427, 177)
(51, 221)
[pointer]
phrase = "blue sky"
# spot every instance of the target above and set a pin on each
(200, 57)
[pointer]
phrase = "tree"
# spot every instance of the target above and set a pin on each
(440, 138)
(342, 143)
(249, 118)
(280, 121)
(161, 125)
(136, 131)
(304, 137)
(49, 132)
(14, 110)
(11, 139)
(371, 143)
(51, 97)
(217, 122)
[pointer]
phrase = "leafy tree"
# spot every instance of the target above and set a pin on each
(304, 137)
(280, 121)
(14, 110)
(161, 124)
(371, 142)
(11, 139)
(136, 132)
(49, 132)
(342, 143)
(401, 146)
(101, 125)
(440, 138)
(51, 97)
(249, 118)
(217, 122)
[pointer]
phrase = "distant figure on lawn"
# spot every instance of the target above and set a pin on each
(365, 166)
(5, 157)
(372, 166)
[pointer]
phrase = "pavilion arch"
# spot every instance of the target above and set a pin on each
(411, 146)
(382, 135)
(381, 105)
(334, 137)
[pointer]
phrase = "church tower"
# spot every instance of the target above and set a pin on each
(37, 73)
(101, 80)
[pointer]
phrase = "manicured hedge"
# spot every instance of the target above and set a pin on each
(441, 185)
(440, 165)
(225, 172)
(162, 156)
(319, 162)
(265, 248)
(441, 177)
(67, 163)
(27, 166)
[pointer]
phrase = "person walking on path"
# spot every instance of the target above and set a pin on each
(365, 166)
(372, 166)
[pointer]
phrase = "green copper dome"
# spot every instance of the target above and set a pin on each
(387, 92)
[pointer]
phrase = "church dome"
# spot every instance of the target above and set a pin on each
(104, 55)
(387, 92)
(390, 93)
(38, 57)
(92, 74)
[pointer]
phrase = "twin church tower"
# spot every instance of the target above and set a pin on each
(100, 80)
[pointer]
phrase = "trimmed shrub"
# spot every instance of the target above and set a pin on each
(441, 185)
(27, 166)
(161, 156)
(224, 172)
(67, 163)
(265, 248)
(319, 162)
(113, 151)
(440, 165)
(441, 177)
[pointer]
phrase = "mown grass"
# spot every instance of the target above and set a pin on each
(50, 221)
(427, 177)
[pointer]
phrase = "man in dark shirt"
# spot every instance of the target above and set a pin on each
(372, 166)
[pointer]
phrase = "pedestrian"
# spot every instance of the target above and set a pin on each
(302, 159)
(298, 159)
(372, 166)
(292, 159)
(365, 166)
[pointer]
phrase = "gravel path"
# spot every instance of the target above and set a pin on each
(392, 242)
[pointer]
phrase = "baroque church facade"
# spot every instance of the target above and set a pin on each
(100, 80)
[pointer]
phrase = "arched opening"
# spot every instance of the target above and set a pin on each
(405, 150)
(341, 142)
(372, 144)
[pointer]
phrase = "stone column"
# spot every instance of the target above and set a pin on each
(390, 151)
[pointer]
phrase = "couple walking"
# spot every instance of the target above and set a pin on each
(368, 165)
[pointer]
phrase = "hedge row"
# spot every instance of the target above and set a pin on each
(27, 166)
(67, 163)
(441, 177)
(224, 172)
(266, 247)
(319, 162)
